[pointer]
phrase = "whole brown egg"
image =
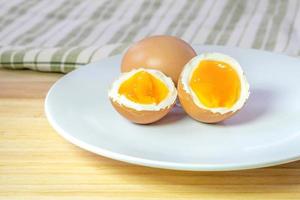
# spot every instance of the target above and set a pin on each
(167, 54)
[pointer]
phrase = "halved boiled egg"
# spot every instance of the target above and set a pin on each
(212, 87)
(143, 95)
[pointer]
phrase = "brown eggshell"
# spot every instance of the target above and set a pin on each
(165, 53)
(140, 117)
(197, 113)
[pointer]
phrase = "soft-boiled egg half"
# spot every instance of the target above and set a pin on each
(143, 95)
(212, 87)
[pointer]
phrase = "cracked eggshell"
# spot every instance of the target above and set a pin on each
(192, 105)
(142, 113)
(197, 113)
(143, 116)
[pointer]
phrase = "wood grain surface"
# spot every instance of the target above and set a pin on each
(36, 163)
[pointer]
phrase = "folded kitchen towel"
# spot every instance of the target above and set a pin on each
(61, 35)
(55, 59)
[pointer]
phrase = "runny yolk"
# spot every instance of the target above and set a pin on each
(216, 84)
(144, 88)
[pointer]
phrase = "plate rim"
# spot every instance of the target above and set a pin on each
(156, 163)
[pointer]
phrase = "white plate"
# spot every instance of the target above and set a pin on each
(265, 132)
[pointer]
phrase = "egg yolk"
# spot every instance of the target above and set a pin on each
(144, 88)
(216, 84)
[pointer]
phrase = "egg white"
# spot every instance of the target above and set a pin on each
(122, 100)
(194, 63)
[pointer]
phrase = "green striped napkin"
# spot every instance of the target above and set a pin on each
(55, 59)
(61, 35)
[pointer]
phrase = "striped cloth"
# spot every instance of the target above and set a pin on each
(61, 35)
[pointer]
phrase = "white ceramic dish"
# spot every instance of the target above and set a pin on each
(265, 132)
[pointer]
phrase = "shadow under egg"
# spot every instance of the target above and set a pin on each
(176, 114)
(259, 104)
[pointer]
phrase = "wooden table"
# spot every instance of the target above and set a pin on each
(36, 163)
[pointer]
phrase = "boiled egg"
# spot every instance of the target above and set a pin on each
(167, 54)
(143, 95)
(212, 87)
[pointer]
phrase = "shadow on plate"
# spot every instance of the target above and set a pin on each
(176, 114)
(259, 103)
